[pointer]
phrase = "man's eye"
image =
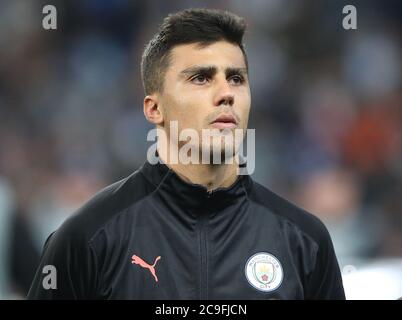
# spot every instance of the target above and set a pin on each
(237, 79)
(199, 79)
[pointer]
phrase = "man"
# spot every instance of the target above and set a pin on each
(191, 231)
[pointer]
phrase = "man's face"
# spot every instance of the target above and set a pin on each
(203, 85)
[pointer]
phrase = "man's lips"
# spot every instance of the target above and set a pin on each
(225, 121)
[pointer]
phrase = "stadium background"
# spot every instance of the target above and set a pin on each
(326, 106)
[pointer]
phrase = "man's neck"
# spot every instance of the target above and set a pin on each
(211, 176)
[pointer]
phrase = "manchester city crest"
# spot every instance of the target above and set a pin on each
(264, 272)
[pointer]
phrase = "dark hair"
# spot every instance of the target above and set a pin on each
(201, 26)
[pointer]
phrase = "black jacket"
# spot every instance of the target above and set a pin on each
(154, 236)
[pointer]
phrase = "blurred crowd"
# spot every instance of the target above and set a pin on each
(326, 106)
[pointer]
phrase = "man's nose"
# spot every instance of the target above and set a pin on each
(224, 94)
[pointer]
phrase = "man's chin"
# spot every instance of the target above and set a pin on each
(218, 154)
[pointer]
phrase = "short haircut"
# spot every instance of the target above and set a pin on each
(201, 26)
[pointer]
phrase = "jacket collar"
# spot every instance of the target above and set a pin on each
(194, 197)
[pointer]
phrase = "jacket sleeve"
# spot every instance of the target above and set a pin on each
(67, 269)
(325, 282)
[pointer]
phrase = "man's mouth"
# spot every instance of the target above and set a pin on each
(225, 121)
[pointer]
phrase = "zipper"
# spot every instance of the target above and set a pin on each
(203, 257)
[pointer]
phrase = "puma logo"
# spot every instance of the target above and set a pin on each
(142, 263)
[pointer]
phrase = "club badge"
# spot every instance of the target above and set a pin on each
(264, 272)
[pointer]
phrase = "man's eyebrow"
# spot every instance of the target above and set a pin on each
(231, 71)
(211, 70)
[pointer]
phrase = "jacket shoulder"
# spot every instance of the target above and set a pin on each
(104, 206)
(284, 209)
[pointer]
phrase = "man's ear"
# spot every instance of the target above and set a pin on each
(152, 109)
